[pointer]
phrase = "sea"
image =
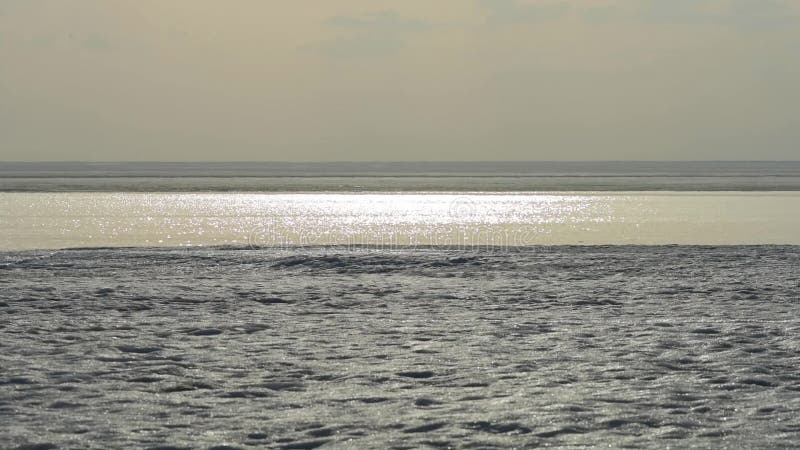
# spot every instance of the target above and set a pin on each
(57, 205)
(399, 305)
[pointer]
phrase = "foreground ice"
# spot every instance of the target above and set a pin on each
(368, 348)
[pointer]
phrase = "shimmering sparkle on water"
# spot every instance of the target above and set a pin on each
(42, 220)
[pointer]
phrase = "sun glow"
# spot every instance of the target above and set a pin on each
(177, 219)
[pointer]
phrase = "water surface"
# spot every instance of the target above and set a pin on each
(97, 219)
(495, 176)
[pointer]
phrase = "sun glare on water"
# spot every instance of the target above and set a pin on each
(40, 220)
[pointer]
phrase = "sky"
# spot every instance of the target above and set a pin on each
(379, 80)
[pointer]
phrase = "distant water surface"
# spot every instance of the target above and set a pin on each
(99, 219)
(512, 176)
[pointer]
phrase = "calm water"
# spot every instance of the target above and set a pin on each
(516, 176)
(98, 219)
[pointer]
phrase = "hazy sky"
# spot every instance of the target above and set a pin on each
(399, 80)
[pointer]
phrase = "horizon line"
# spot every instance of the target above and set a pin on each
(404, 162)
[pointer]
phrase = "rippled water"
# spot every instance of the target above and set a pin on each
(61, 220)
(558, 347)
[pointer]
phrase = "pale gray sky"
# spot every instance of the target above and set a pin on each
(399, 80)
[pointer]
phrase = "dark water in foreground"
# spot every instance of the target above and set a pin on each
(581, 347)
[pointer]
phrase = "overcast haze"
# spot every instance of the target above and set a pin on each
(391, 80)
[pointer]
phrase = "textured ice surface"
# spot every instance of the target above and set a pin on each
(368, 348)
